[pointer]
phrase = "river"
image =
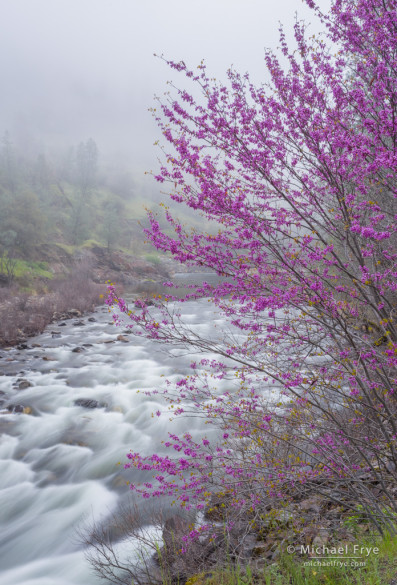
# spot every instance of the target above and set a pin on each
(59, 460)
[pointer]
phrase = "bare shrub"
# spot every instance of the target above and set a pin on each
(130, 548)
(23, 315)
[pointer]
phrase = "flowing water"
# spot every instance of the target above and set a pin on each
(59, 460)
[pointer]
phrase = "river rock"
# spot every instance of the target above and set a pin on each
(91, 319)
(74, 313)
(78, 323)
(122, 338)
(89, 403)
(23, 384)
(23, 346)
(78, 349)
(15, 408)
(55, 334)
(63, 324)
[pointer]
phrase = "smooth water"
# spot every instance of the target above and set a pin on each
(59, 464)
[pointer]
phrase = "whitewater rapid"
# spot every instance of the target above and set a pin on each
(60, 462)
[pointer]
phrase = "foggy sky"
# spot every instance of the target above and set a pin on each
(73, 69)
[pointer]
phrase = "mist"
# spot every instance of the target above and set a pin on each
(74, 69)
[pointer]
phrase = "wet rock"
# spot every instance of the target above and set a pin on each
(63, 324)
(78, 349)
(27, 410)
(36, 344)
(23, 384)
(91, 319)
(15, 408)
(88, 403)
(78, 323)
(47, 358)
(55, 334)
(108, 341)
(122, 338)
(22, 346)
(87, 345)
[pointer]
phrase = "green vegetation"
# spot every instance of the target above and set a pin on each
(378, 567)
(56, 204)
(35, 269)
(153, 258)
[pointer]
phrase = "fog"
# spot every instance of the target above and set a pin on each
(73, 69)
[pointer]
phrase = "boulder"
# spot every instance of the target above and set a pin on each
(321, 538)
(23, 384)
(122, 338)
(78, 349)
(89, 403)
(91, 319)
(15, 408)
(74, 313)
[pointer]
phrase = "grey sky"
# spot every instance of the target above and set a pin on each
(71, 69)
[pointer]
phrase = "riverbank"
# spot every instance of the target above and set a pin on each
(73, 283)
(309, 541)
(375, 564)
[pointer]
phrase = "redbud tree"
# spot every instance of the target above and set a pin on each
(297, 178)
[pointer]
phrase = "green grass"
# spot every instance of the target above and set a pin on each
(377, 569)
(92, 244)
(32, 269)
(69, 249)
(153, 258)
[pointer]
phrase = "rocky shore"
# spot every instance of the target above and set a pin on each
(79, 284)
